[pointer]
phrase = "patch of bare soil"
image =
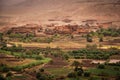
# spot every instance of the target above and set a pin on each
(112, 42)
(88, 63)
(57, 62)
(25, 77)
(9, 59)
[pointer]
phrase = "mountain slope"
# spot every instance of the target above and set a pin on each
(74, 9)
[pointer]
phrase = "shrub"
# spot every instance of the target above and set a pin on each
(41, 70)
(77, 57)
(87, 74)
(9, 74)
(1, 77)
(72, 75)
(101, 66)
(76, 64)
(43, 76)
(89, 37)
(66, 57)
(100, 39)
(79, 73)
(94, 78)
(39, 57)
(17, 68)
(4, 68)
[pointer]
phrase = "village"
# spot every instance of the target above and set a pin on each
(52, 28)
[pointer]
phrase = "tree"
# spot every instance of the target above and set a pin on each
(66, 56)
(1, 77)
(9, 74)
(76, 64)
(79, 72)
(4, 68)
(101, 37)
(89, 38)
(114, 34)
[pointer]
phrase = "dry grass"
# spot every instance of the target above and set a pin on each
(15, 63)
(63, 45)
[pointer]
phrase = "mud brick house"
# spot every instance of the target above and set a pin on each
(81, 31)
(105, 25)
(26, 29)
(90, 23)
(49, 31)
(65, 29)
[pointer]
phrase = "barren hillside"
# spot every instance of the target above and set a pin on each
(31, 10)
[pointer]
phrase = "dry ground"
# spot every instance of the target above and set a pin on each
(67, 44)
(12, 61)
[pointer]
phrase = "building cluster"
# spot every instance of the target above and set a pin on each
(38, 30)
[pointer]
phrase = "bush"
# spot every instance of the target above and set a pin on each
(1, 77)
(4, 68)
(72, 75)
(89, 38)
(100, 39)
(66, 57)
(17, 68)
(9, 74)
(101, 66)
(43, 76)
(87, 74)
(79, 73)
(41, 70)
(39, 57)
(94, 78)
(77, 57)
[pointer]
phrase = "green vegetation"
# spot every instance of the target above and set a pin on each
(12, 35)
(30, 65)
(1, 77)
(113, 32)
(14, 48)
(1, 36)
(59, 71)
(104, 72)
(93, 53)
(9, 74)
(4, 68)
(20, 77)
(43, 76)
(69, 72)
(29, 38)
(99, 73)
(109, 32)
(21, 53)
(101, 66)
(89, 38)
